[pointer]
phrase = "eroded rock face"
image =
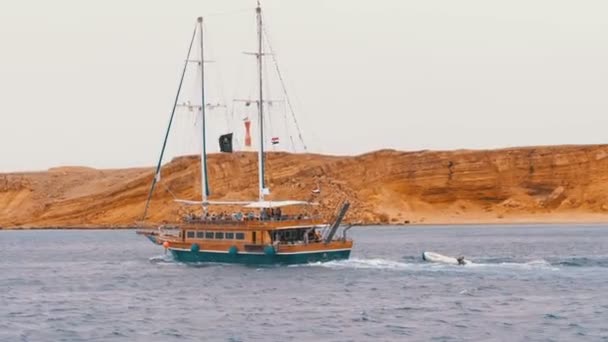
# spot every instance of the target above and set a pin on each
(384, 187)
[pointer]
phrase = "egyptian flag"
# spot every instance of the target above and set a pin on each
(226, 143)
(274, 140)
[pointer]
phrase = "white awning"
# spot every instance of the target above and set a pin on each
(189, 202)
(248, 204)
(275, 204)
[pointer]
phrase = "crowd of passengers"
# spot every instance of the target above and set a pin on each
(297, 236)
(266, 214)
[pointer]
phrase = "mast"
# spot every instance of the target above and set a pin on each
(258, 11)
(204, 178)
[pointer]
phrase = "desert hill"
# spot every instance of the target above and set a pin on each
(531, 184)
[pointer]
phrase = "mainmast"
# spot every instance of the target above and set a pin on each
(262, 188)
(204, 181)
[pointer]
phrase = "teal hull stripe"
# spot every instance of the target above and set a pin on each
(258, 258)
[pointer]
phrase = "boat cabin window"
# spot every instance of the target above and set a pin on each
(240, 236)
(190, 234)
(291, 235)
(200, 235)
(229, 236)
(208, 235)
(219, 235)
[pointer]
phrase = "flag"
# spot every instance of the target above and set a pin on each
(274, 140)
(226, 143)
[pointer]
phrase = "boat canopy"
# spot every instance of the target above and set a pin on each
(275, 204)
(248, 204)
(190, 202)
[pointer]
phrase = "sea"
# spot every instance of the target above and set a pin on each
(526, 283)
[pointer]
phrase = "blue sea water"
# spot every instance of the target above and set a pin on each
(527, 283)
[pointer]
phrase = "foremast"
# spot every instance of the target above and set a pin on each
(204, 176)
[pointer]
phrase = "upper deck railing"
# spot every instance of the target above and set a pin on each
(228, 224)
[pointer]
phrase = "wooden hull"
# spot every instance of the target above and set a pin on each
(185, 255)
(256, 242)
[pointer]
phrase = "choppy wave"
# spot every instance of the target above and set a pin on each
(105, 286)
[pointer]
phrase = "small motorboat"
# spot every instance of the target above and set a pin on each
(443, 259)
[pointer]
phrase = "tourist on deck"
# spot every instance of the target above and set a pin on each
(279, 213)
(311, 236)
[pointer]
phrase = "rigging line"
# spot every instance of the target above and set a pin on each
(293, 146)
(276, 65)
(169, 190)
(162, 151)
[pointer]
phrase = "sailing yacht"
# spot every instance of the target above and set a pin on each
(265, 234)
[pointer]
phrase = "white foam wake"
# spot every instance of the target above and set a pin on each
(364, 264)
(385, 264)
(162, 259)
(528, 265)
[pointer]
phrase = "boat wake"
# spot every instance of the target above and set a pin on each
(589, 261)
(162, 259)
(532, 264)
(550, 262)
(416, 264)
(364, 264)
(385, 264)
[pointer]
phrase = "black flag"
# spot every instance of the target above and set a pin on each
(226, 143)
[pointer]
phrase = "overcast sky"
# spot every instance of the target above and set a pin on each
(92, 82)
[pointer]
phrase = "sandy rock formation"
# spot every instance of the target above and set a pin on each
(558, 183)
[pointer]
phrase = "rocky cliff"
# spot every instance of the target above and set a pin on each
(531, 184)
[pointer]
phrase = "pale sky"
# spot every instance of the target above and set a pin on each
(92, 82)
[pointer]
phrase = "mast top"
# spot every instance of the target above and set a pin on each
(259, 8)
(199, 19)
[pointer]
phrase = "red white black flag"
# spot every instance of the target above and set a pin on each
(274, 140)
